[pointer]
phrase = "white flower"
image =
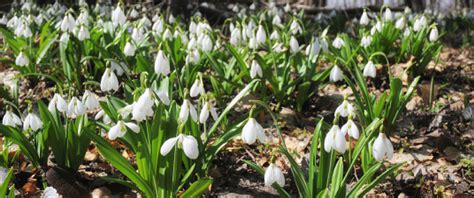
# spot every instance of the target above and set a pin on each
(275, 35)
(105, 118)
(186, 142)
(351, 128)
(370, 70)
(83, 18)
(407, 32)
(83, 34)
(163, 96)
(324, 44)
(109, 81)
(75, 108)
(255, 70)
(276, 20)
(11, 119)
(167, 35)
(364, 19)
(382, 148)
(235, 36)
(273, 174)
(126, 111)
(433, 34)
(158, 26)
(287, 8)
(197, 88)
(261, 35)
(50, 192)
(117, 68)
(64, 38)
(400, 24)
(420, 23)
(294, 45)
(137, 35)
(295, 27)
(22, 60)
(32, 121)
(129, 49)
(57, 103)
(253, 131)
(118, 17)
(366, 40)
(312, 51)
(134, 13)
(120, 129)
(336, 74)
(144, 106)
(335, 139)
(206, 109)
(68, 23)
(162, 64)
(387, 15)
(338, 43)
(187, 109)
(253, 43)
(344, 109)
(206, 43)
(90, 100)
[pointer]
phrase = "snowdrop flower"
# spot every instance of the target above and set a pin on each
(90, 100)
(253, 43)
(382, 148)
(351, 128)
(39, 19)
(197, 88)
(433, 34)
(50, 192)
(364, 19)
(137, 35)
(407, 32)
(64, 38)
(274, 174)
(144, 106)
(206, 109)
(129, 49)
(11, 119)
(287, 8)
(163, 96)
(366, 40)
(13, 22)
(312, 51)
(370, 70)
(23, 30)
(324, 44)
(118, 17)
(134, 13)
(253, 131)
(83, 18)
(158, 26)
(295, 27)
(68, 23)
(120, 129)
(83, 34)
(387, 15)
(109, 81)
(57, 103)
(344, 109)
(275, 35)
(171, 19)
(235, 37)
(335, 139)
(117, 68)
(400, 24)
(22, 60)
(105, 118)
(126, 111)
(162, 64)
(294, 45)
(167, 35)
(206, 43)
(186, 142)
(420, 23)
(75, 108)
(276, 20)
(33, 122)
(261, 35)
(336, 74)
(187, 108)
(255, 70)
(338, 43)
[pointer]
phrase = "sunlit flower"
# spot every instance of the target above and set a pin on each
(433, 34)
(275, 35)
(420, 23)
(162, 64)
(187, 109)
(294, 45)
(33, 122)
(255, 70)
(387, 15)
(351, 128)
(344, 109)
(336, 74)
(295, 28)
(206, 109)
(382, 148)
(120, 129)
(276, 20)
(57, 103)
(253, 131)
(338, 43)
(129, 49)
(117, 68)
(22, 60)
(400, 24)
(273, 174)
(50, 192)
(261, 35)
(109, 81)
(197, 88)
(186, 142)
(335, 139)
(11, 119)
(90, 100)
(75, 108)
(83, 34)
(364, 19)
(118, 17)
(366, 40)
(68, 23)
(370, 70)
(144, 106)
(235, 37)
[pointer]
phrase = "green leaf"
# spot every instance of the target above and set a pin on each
(6, 182)
(198, 188)
(338, 185)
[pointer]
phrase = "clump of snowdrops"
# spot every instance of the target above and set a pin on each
(165, 87)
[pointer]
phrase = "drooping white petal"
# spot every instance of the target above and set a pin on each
(168, 145)
(249, 132)
(274, 174)
(370, 70)
(132, 126)
(162, 65)
(336, 74)
(190, 147)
